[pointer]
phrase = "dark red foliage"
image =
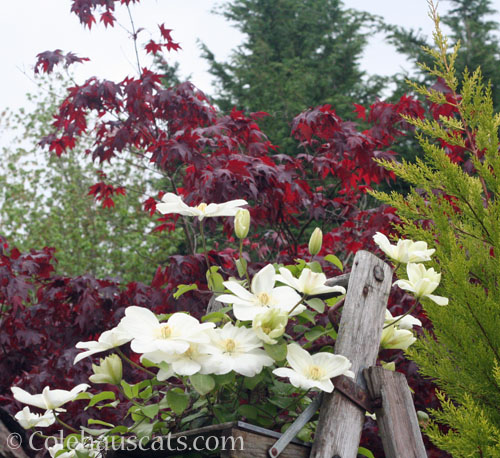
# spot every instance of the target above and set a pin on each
(46, 61)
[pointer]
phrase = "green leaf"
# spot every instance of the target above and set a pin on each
(315, 333)
(251, 382)
(215, 280)
(143, 430)
(84, 395)
(151, 411)
(316, 304)
(203, 384)
(181, 289)
(308, 315)
(105, 395)
(226, 379)
(217, 316)
(335, 261)
(277, 351)
(241, 265)
(315, 266)
(131, 391)
(146, 393)
(248, 411)
(177, 400)
(365, 452)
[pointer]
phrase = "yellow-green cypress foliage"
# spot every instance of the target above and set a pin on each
(463, 355)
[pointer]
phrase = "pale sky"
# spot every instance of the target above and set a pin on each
(28, 27)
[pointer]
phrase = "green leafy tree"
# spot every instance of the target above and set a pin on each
(459, 208)
(45, 201)
(296, 54)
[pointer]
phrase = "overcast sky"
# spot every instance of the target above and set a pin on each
(28, 27)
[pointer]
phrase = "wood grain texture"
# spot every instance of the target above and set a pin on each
(396, 419)
(257, 446)
(340, 421)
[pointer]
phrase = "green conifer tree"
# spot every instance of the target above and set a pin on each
(296, 54)
(458, 212)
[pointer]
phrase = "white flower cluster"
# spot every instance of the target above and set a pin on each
(422, 282)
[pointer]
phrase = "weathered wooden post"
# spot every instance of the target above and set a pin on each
(396, 416)
(341, 421)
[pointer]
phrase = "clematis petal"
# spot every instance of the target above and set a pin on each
(298, 358)
(263, 280)
(439, 300)
(287, 278)
(238, 290)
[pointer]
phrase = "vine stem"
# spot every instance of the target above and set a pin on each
(204, 244)
(295, 401)
(404, 314)
(297, 304)
(62, 423)
(137, 366)
(241, 256)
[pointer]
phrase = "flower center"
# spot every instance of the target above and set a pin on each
(266, 329)
(230, 345)
(165, 331)
(190, 352)
(202, 207)
(315, 372)
(264, 299)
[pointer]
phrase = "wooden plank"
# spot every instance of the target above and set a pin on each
(396, 418)
(234, 439)
(257, 445)
(341, 421)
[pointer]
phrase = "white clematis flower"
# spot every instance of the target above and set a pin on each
(396, 339)
(270, 325)
(422, 282)
(398, 336)
(48, 399)
(404, 251)
(109, 339)
(29, 420)
(407, 322)
(237, 349)
(194, 360)
(313, 371)
(309, 283)
(261, 297)
(172, 336)
(172, 203)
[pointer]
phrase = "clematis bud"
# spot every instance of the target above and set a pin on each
(315, 242)
(242, 223)
(109, 371)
